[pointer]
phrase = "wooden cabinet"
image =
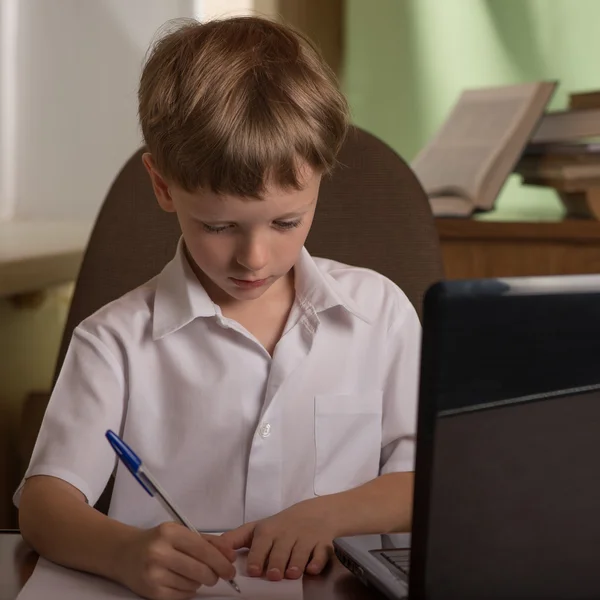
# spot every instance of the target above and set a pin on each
(473, 249)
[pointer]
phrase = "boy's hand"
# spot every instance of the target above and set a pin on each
(286, 544)
(170, 562)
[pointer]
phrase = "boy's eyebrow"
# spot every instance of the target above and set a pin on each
(296, 213)
(290, 215)
(299, 212)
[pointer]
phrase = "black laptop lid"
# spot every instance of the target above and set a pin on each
(507, 492)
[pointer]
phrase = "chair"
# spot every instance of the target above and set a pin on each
(372, 212)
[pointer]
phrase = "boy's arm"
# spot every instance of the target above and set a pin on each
(58, 523)
(383, 505)
(166, 562)
(71, 463)
(299, 538)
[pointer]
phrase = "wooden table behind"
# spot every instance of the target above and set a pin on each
(473, 249)
(17, 562)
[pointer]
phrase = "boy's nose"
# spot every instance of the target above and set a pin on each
(253, 256)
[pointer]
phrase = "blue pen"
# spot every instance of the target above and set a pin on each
(131, 460)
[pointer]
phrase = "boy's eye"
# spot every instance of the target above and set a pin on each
(282, 225)
(287, 224)
(214, 228)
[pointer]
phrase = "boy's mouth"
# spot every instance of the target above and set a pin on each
(248, 283)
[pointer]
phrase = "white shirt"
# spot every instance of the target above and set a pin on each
(232, 434)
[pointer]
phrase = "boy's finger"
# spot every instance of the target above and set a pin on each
(222, 545)
(241, 537)
(279, 557)
(183, 566)
(319, 559)
(300, 556)
(259, 552)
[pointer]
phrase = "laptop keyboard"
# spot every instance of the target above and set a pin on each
(396, 559)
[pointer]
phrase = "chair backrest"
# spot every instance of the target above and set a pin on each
(372, 212)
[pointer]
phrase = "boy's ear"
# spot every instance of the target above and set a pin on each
(159, 184)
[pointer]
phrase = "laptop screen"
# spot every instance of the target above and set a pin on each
(507, 492)
(515, 501)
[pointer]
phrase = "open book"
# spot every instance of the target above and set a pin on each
(464, 167)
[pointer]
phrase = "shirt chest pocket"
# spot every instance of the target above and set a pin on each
(347, 440)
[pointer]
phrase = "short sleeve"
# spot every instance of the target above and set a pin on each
(400, 393)
(88, 399)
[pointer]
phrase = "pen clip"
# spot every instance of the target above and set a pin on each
(129, 458)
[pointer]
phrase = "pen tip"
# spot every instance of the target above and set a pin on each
(235, 586)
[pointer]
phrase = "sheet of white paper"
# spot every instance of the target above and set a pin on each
(52, 582)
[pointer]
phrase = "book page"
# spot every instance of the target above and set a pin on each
(53, 582)
(474, 136)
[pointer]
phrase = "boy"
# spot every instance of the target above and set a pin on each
(272, 394)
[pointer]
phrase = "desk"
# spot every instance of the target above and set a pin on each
(17, 562)
(473, 249)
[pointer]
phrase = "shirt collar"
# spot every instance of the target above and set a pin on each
(322, 291)
(180, 297)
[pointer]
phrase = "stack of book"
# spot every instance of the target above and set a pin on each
(564, 154)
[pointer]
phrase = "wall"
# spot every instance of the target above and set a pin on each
(408, 60)
(77, 66)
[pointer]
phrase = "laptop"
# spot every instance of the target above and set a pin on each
(507, 473)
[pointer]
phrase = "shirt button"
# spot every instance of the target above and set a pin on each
(265, 430)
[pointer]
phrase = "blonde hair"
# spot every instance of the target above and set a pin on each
(228, 105)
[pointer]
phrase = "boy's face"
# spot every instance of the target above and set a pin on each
(241, 246)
